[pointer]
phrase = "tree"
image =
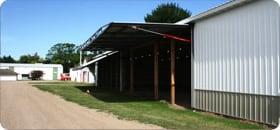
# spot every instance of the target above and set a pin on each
(66, 54)
(7, 59)
(167, 13)
(36, 74)
(31, 59)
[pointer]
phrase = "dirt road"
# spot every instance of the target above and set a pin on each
(25, 107)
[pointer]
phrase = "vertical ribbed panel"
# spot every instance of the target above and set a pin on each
(238, 50)
(258, 108)
(236, 62)
(278, 49)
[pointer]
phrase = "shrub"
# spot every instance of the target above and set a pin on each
(36, 74)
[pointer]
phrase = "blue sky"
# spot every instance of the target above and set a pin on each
(29, 26)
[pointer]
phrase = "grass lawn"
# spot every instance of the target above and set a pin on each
(141, 109)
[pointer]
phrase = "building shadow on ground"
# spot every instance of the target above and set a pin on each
(114, 96)
(111, 95)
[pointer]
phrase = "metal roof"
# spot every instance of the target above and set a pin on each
(122, 35)
(214, 11)
(6, 72)
(96, 59)
(29, 65)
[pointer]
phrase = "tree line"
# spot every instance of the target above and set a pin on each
(66, 54)
(23, 59)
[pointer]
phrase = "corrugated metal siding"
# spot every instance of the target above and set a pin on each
(238, 51)
(258, 108)
(278, 49)
(236, 62)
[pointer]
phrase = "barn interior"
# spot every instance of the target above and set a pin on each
(143, 64)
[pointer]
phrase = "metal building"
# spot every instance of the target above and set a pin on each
(140, 62)
(86, 73)
(236, 48)
(50, 71)
(231, 66)
(7, 75)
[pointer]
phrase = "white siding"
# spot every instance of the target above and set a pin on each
(59, 72)
(48, 71)
(75, 75)
(82, 75)
(8, 78)
(238, 51)
(28, 68)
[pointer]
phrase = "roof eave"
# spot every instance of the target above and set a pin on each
(94, 36)
(96, 59)
(214, 11)
(103, 29)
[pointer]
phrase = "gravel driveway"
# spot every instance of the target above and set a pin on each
(25, 107)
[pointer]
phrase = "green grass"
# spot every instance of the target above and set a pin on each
(141, 109)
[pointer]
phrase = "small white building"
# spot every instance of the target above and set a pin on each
(50, 71)
(7, 75)
(87, 72)
(84, 75)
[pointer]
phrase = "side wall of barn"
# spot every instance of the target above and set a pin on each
(236, 62)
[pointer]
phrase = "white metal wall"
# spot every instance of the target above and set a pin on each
(59, 72)
(27, 68)
(8, 78)
(48, 71)
(78, 75)
(238, 50)
(75, 75)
